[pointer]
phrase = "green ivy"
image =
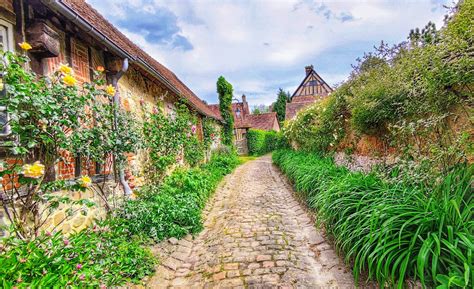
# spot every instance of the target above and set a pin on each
(225, 92)
(167, 137)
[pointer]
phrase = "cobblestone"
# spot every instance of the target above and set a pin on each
(256, 235)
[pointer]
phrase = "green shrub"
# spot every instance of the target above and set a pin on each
(92, 257)
(402, 88)
(261, 142)
(321, 126)
(390, 230)
(174, 208)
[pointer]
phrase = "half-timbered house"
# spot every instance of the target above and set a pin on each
(311, 89)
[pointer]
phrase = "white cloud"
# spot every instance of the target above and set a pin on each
(262, 45)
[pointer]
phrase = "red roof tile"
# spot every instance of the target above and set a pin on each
(95, 19)
(264, 121)
(292, 108)
(239, 121)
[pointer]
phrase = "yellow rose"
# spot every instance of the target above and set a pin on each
(34, 171)
(69, 80)
(25, 46)
(85, 181)
(110, 90)
(100, 68)
(65, 69)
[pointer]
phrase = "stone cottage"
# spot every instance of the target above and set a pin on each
(74, 33)
(244, 120)
(311, 89)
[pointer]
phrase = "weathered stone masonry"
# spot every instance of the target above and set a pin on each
(147, 86)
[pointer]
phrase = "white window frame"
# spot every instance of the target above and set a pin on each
(8, 28)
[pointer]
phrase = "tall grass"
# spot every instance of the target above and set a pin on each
(392, 232)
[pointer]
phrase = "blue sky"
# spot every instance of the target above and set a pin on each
(260, 46)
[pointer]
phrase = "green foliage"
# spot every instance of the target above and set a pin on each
(94, 257)
(174, 208)
(421, 89)
(261, 142)
(49, 116)
(225, 91)
(280, 105)
(166, 136)
(391, 231)
(320, 127)
(209, 132)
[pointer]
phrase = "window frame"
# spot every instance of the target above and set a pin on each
(8, 28)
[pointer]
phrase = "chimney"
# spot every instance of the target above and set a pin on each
(308, 69)
(245, 105)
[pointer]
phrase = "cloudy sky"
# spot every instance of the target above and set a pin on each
(260, 46)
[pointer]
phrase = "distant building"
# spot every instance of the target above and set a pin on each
(311, 89)
(243, 121)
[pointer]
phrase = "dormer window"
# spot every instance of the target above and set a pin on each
(237, 112)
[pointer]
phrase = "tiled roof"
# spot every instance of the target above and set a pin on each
(308, 98)
(292, 108)
(95, 19)
(262, 121)
(239, 122)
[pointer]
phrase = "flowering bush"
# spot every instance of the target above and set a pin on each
(167, 138)
(50, 117)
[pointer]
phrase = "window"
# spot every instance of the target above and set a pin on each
(6, 36)
(6, 44)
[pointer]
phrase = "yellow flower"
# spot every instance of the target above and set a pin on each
(100, 68)
(25, 46)
(69, 80)
(110, 90)
(34, 171)
(85, 181)
(65, 69)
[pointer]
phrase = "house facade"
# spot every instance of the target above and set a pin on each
(244, 120)
(72, 32)
(311, 89)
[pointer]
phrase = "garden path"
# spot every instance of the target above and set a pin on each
(256, 235)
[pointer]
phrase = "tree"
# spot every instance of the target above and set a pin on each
(280, 105)
(225, 91)
(261, 108)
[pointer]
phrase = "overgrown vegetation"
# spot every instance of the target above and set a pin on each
(415, 96)
(51, 119)
(96, 257)
(261, 142)
(167, 137)
(225, 92)
(174, 208)
(392, 231)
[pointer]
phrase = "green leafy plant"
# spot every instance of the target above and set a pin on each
(392, 231)
(169, 137)
(174, 208)
(94, 257)
(225, 92)
(49, 119)
(261, 142)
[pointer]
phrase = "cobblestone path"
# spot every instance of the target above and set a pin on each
(256, 236)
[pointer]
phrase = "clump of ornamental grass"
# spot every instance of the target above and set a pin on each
(393, 232)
